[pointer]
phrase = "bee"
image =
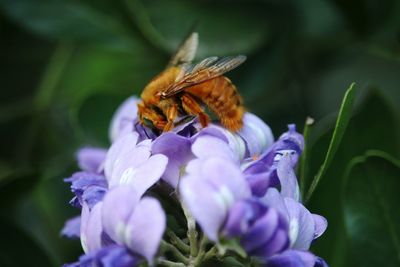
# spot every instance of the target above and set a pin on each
(183, 88)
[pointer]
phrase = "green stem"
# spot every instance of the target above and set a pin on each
(192, 232)
(210, 253)
(179, 256)
(304, 157)
(175, 240)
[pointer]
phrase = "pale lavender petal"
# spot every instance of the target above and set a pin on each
(205, 204)
(274, 199)
(226, 177)
(178, 150)
(209, 146)
(125, 165)
(145, 228)
(257, 135)
(301, 225)
(118, 205)
(235, 141)
(72, 228)
(125, 115)
(85, 215)
(90, 158)
(94, 228)
(146, 175)
(123, 145)
(320, 225)
(287, 177)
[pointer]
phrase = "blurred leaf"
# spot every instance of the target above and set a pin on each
(224, 28)
(67, 20)
(365, 131)
(18, 249)
(340, 127)
(371, 200)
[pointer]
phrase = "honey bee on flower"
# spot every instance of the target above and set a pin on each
(183, 88)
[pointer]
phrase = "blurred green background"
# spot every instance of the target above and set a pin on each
(66, 66)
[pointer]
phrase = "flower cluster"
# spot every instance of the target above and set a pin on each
(239, 188)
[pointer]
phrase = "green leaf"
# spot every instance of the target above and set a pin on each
(67, 20)
(223, 28)
(340, 127)
(364, 133)
(371, 198)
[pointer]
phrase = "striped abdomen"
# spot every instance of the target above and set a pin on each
(222, 97)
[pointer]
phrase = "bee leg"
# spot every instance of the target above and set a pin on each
(172, 113)
(192, 107)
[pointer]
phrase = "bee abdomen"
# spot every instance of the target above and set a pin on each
(222, 97)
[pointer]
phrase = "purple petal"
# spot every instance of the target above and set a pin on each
(178, 150)
(93, 194)
(259, 183)
(320, 225)
(301, 225)
(72, 228)
(262, 230)
(238, 220)
(208, 146)
(118, 256)
(118, 205)
(91, 228)
(277, 243)
(257, 135)
(123, 145)
(124, 117)
(295, 258)
(287, 178)
(293, 136)
(145, 228)
(205, 204)
(90, 159)
(109, 256)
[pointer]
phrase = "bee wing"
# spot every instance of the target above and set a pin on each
(186, 51)
(205, 70)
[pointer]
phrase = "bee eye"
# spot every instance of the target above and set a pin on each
(147, 122)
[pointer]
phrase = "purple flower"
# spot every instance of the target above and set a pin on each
(122, 218)
(304, 227)
(239, 187)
